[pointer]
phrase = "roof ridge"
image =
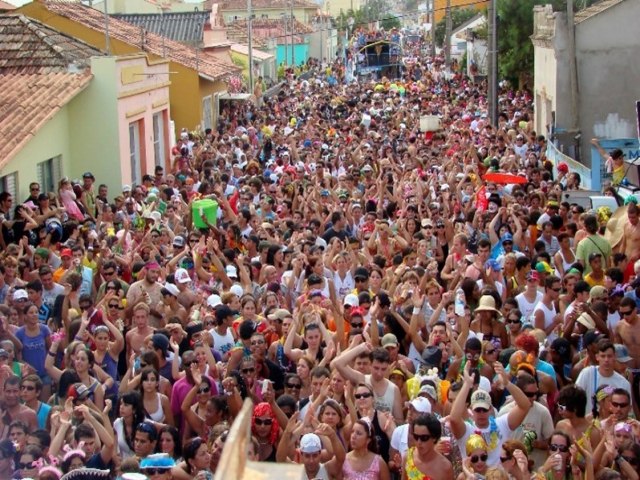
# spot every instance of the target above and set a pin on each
(156, 44)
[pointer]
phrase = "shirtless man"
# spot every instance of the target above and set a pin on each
(137, 335)
(626, 333)
(172, 307)
(630, 243)
(13, 409)
(148, 289)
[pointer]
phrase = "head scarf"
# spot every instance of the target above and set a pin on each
(263, 409)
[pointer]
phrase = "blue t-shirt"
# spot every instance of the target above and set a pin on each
(34, 349)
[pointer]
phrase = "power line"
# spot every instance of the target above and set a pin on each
(405, 14)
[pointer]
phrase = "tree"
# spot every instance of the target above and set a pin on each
(390, 22)
(458, 17)
(515, 27)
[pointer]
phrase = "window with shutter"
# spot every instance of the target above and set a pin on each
(9, 183)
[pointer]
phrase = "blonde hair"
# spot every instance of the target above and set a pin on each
(496, 473)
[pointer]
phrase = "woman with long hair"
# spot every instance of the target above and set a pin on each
(196, 459)
(170, 442)
(130, 413)
(156, 405)
(36, 341)
(363, 461)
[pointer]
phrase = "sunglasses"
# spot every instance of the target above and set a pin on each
(265, 421)
(297, 386)
(480, 410)
(248, 370)
(357, 325)
(421, 438)
(358, 396)
(115, 305)
(24, 466)
(29, 388)
(505, 459)
(531, 394)
(556, 289)
(619, 405)
(479, 458)
(108, 274)
(204, 390)
(558, 448)
(513, 320)
(155, 471)
(626, 313)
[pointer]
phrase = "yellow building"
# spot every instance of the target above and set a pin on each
(440, 6)
(194, 76)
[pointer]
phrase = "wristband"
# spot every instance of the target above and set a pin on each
(51, 354)
(416, 310)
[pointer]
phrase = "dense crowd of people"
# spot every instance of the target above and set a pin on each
(397, 302)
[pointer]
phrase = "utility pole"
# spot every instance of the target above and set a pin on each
(447, 36)
(250, 40)
(321, 34)
(286, 39)
(573, 71)
(432, 17)
(107, 41)
(293, 33)
(492, 76)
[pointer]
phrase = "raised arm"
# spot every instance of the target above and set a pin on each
(342, 363)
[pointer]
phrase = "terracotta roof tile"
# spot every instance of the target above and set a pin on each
(262, 4)
(264, 29)
(28, 46)
(204, 63)
(28, 101)
(595, 9)
(6, 6)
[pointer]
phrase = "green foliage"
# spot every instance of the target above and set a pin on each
(515, 27)
(458, 17)
(372, 11)
(390, 22)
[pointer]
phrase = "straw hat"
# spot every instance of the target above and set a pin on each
(487, 304)
(615, 226)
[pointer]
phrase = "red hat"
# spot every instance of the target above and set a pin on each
(66, 253)
(563, 167)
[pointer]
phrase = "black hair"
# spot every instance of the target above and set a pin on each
(177, 440)
(431, 423)
(574, 399)
(43, 436)
(189, 451)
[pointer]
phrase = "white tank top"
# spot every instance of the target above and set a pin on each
(566, 265)
(222, 343)
(384, 402)
(158, 415)
(343, 286)
(322, 474)
(549, 313)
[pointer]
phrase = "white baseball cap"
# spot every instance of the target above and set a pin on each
(351, 299)
(171, 288)
(236, 290)
(182, 276)
(232, 271)
(421, 404)
(310, 443)
(214, 300)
